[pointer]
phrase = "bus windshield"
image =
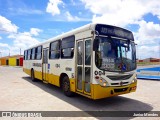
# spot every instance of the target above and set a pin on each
(112, 54)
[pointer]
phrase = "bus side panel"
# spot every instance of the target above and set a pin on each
(28, 65)
(72, 85)
(27, 71)
(38, 74)
(54, 79)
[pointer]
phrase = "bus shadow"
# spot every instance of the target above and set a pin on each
(117, 103)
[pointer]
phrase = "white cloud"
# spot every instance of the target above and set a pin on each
(121, 12)
(27, 11)
(52, 7)
(23, 40)
(4, 49)
(11, 36)
(0, 37)
(150, 29)
(4, 45)
(125, 12)
(71, 18)
(24, 10)
(148, 39)
(6, 26)
(148, 33)
(148, 51)
(35, 31)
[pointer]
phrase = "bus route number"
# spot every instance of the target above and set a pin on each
(57, 65)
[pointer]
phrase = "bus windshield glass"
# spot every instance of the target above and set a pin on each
(112, 54)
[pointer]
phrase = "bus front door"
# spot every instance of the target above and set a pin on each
(45, 65)
(83, 66)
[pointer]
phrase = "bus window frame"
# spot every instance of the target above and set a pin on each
(29, 55)
(59, 50)
(37, 53)
(34, 53)
(62, 48)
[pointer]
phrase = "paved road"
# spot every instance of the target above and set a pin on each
(18, 92)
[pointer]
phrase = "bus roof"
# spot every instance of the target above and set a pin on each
(90, 26)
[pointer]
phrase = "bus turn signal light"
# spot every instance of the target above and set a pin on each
(134, 88)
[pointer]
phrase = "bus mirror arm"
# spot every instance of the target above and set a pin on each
(97, 33)
(95, 42)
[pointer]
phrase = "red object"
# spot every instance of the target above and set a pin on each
(96, 77)
(154, 60)
(21, 61)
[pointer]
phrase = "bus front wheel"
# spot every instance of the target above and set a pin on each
(66, 87)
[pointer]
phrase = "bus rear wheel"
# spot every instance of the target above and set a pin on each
(66, 87)
(32, 76)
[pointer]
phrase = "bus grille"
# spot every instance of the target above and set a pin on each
(124, 83)
(122, 77)
(120, 90)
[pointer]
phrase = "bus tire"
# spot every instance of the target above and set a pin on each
(32, 76)
(66, 87)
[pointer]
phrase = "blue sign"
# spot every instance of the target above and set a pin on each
(48, 66)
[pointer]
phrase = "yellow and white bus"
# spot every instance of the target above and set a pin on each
(96, 61)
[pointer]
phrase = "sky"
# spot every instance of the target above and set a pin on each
(24, 23)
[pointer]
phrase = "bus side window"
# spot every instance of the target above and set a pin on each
(67, 49)
(29, 54)
(54, 52)
(24, 55)
(39, 52)
(33, 53)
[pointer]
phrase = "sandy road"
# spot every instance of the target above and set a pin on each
(18, 92)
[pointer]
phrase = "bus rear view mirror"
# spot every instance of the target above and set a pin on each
(128, 45)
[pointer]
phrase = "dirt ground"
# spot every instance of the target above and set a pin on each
(19, 93)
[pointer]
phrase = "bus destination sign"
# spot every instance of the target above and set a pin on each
(114, 31)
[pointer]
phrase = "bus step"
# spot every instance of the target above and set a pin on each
(45, 82)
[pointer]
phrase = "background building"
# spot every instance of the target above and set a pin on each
(15, 60)
(149, 60)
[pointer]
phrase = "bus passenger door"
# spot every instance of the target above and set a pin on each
(45, 65)
(83, 66)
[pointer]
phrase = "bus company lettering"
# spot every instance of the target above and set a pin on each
(37, 64)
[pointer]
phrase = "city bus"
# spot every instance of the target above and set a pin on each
(96, 61)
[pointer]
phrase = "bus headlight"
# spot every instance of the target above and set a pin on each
(103, 82)
(134, 79)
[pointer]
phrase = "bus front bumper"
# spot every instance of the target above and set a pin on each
(103, 92)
